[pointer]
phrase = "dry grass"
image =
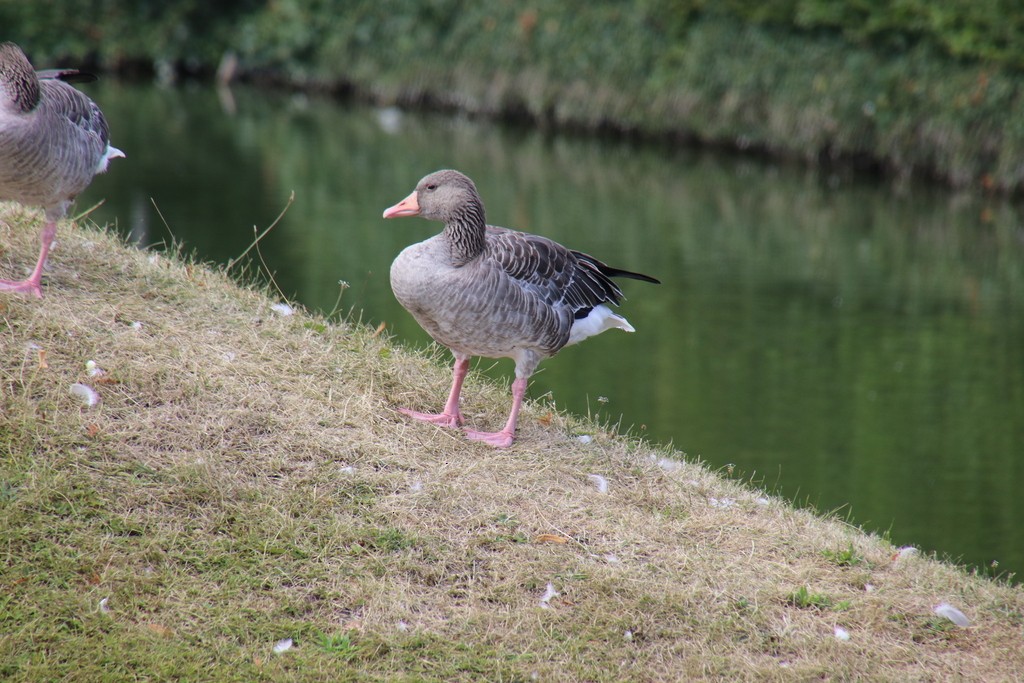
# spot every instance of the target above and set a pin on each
(246, 478)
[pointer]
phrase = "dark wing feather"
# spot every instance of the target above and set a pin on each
(617, 272)
(559, 276)
(66, 75)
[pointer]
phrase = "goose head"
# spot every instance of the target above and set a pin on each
(446, 196)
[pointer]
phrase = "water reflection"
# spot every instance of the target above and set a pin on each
(840, 341)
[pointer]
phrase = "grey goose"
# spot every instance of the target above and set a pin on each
(482, 290)
(53, 140)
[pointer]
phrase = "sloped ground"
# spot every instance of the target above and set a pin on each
(244, 479)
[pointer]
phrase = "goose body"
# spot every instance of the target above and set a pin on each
(53, 141)
(488, 291)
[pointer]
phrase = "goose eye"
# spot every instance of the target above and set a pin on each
(432, 186)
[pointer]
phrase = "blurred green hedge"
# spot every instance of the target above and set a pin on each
(912, 85)
(991, 31)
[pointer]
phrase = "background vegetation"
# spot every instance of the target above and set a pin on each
(913, 86)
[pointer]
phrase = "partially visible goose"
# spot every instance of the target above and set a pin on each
(53, 140)
(486, 291)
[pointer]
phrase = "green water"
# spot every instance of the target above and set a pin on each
(841, 340)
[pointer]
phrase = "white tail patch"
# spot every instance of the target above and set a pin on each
(601, 318)
(108, 154)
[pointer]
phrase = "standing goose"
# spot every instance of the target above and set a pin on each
(481, 290)
(53, 140)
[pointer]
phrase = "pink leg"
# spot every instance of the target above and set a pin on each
(450, 416)
(31, 284)
(503, 439)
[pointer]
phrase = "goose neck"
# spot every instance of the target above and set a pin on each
(19, 86)
(465, 234)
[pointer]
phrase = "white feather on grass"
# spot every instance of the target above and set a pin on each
(668, 464)
(906, 552)
(85, 394)
(282, 309)
(953, 614)
(545, 599)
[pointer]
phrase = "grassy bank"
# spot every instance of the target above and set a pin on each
(245, 479)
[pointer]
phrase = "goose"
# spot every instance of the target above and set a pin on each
(482, 290)
(53, 140)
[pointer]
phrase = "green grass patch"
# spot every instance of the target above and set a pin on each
(804, 598)
(844, 557)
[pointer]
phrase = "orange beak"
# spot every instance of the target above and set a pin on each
(407, 207)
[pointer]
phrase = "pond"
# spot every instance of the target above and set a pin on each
(845, 342)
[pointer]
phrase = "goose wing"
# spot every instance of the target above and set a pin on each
(560, 277)
(62, 100)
